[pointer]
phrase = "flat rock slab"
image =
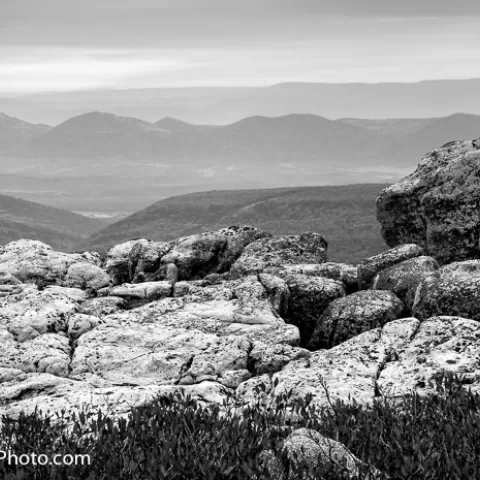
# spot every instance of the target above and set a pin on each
(20, 392)
(402, 356)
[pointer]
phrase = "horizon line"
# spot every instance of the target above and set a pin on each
(12, 94)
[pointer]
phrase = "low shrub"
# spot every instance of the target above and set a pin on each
(177, 438)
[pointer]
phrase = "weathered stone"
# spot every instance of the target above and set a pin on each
(171, 273)
(349, 316)
(45, 311)
(207, 334)
(441, 344)
(148, 291)
(116, 262)
(144, 260)
(277, 291)
(452, 290)
(272, 358)
(309, 296)
(316, 455)
(437, 206)
(403, 278)
(349, 370)
(212, 252)
(102, 306)
(80, 323)
(86, 276)
(31, 261)
(342, 272)
(279, 251)
(48, 353)
(130, 353)
(195, 256)
(7, 278)
(135, 261)
(369, 267)
(22, 392)
(403, 356)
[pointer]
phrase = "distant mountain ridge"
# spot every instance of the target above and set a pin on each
(344, 214)
(98, 134)
(125, 164)
(222, 105)
(59, 228)
(15, 133)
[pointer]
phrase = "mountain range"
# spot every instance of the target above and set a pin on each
(103, 162)
(222, 105)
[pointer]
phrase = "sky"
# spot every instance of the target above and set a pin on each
(56, 45)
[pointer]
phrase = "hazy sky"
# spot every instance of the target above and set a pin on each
(77, 44)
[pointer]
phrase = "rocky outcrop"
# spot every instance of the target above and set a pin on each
(403, 278)
(369, 267)
(221, 313)
(31, 261)
(452, 290)
(279, 251)
(213, 252)
(194, 257)
(437, 206)
(349, 316)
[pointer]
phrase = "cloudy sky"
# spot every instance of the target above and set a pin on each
(50, 45)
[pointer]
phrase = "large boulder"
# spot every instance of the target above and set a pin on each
(349, 316)
(369, 267)
(437, 206)
(309, 297)
(279, 251)
(31, 261)
(403, 278)
(452, 290)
